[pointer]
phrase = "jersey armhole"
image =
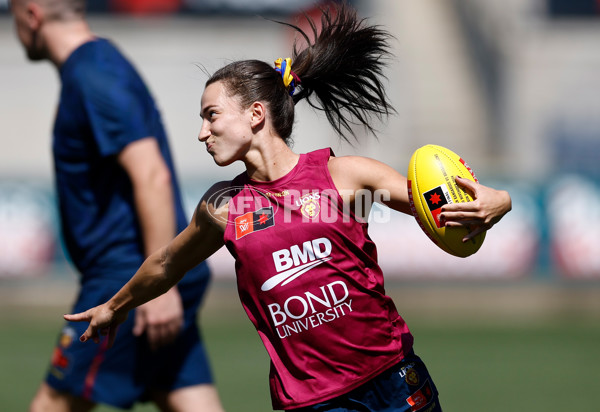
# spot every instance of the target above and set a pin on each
(339, 196)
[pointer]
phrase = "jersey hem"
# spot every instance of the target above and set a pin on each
(344, 390)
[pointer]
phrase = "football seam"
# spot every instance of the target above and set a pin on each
(457, 165)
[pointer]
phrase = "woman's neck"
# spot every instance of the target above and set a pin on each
(270, 161)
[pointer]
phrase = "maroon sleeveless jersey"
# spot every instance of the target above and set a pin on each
(308, 278)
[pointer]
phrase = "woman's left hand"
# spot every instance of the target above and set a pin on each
(486, 209)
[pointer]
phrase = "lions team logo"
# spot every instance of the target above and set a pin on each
(67, 336)
(60, 358)
(309, 205)
(412, 377)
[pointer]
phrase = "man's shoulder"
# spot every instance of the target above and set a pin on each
(95, 63)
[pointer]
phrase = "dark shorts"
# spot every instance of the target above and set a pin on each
(129, 371)
(405, 387)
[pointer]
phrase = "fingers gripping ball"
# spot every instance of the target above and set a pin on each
(431, 185)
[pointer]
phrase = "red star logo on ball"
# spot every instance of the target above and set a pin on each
(434, 199)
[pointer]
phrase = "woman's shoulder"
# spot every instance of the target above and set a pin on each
(351, 163)
(214, 205)
(357, 171)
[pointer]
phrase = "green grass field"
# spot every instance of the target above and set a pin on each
(488, 348)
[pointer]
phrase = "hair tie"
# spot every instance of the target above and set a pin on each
(290, 79)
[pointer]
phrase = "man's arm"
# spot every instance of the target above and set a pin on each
(162, 318)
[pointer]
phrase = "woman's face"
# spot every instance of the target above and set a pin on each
(226, 127)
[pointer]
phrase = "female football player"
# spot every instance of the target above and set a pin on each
(307, 271)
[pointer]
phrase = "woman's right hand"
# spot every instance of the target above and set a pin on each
(103, 321)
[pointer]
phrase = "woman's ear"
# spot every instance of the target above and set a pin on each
(257, 114)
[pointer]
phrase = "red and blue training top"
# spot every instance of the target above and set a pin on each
(309, 281)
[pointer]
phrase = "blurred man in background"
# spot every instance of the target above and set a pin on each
(119, 201)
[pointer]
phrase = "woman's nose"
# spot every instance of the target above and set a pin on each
(204, 132)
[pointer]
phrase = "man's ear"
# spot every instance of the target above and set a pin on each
(35, 15)
(257, 114)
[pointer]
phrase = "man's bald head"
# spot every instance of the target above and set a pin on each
(34, 18)
(56, 9)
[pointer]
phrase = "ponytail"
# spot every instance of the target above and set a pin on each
(343, 69)
(339, 73)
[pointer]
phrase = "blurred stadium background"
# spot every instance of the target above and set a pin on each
(512, 86)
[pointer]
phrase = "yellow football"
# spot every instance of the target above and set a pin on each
(431, 185)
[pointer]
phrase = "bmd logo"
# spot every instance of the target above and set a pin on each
(297, 260)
